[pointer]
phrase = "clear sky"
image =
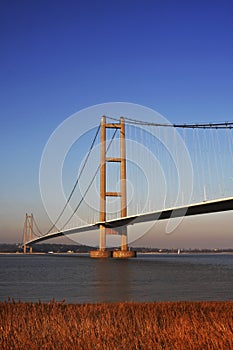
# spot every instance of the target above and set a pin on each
(58, 57)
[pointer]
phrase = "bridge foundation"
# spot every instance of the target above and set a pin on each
(116, 254)
(100, 254)
(124, 254)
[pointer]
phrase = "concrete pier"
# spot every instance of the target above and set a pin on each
(100, 254)
(124, 254)
(117, 254)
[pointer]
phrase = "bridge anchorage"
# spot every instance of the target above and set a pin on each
(124, 252)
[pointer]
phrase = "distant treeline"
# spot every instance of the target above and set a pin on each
(75, 248)
(45, 248)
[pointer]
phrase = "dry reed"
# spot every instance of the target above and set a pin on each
(149, 326)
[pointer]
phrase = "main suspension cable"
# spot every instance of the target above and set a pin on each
(89, 186)
(37, 227)
(222, 125)
(76, 183)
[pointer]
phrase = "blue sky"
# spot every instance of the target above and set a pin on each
(58, 57)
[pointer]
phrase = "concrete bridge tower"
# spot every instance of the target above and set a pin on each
(27, 232)
(124, 252)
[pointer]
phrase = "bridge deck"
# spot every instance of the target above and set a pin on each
(214, 206)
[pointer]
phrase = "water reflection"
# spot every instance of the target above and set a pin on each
(114, 280)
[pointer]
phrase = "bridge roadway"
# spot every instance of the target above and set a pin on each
(207, 207)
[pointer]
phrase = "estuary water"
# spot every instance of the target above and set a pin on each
(150, 277)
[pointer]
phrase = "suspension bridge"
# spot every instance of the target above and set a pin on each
(145, 172)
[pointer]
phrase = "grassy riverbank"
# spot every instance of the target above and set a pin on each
(149, 326)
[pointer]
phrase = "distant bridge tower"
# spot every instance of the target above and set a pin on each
(27, 233)
(102, 252)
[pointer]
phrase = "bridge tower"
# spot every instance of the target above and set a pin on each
(27, 232)
(102, 252)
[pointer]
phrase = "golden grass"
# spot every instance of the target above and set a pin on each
(149, 326)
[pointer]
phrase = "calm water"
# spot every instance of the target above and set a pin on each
(79, 279)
